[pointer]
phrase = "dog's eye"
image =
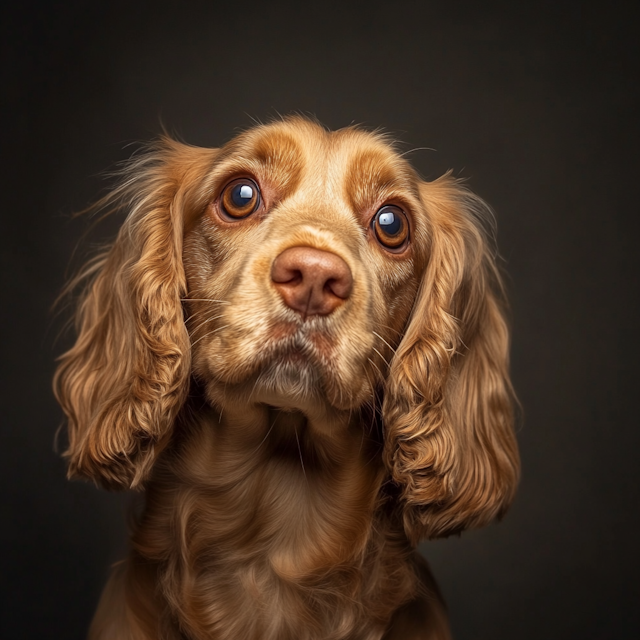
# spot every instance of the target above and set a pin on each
(240, 198)
(391, 227)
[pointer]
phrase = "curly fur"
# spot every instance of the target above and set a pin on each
(290, 465)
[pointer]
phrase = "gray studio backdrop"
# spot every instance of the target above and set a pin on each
(535, 104)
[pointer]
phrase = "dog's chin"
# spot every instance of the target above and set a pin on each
(292, 379)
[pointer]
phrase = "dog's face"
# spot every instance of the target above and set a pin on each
(303, 267)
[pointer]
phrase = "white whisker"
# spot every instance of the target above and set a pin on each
(383, 358)
(210, 319)
(383, 340)
(204, 300)
(376, 366)
(386, 326)
(402, 155)
(295, 429)
(255, 384)
(267, 435)
(208, 334)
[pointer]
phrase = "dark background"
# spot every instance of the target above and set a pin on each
(537, 104)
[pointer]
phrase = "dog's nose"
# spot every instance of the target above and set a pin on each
(311, 281)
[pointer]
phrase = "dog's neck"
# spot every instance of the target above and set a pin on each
(320, 441)
(310, 479)
(266, 506)
(302, 488)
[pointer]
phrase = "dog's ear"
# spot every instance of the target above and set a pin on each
(448, 407)
(123, 382)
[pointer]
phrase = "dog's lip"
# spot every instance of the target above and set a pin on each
(282, 333)
(296, 336)
(299, 346)
(296, 349)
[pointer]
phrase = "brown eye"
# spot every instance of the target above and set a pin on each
(240, 198)
(391, 227)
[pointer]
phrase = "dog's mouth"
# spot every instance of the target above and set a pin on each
(298, 365)
(298, 351)
(286, 364)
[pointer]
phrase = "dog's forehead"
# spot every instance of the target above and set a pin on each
(356, 165)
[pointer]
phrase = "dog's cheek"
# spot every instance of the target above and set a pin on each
(199, 261)
(208, 284)
(229, 315)
(394, 288)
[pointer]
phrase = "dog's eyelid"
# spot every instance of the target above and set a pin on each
(229, 175)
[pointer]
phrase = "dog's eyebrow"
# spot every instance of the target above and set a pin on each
(271, 155)
(377, 174)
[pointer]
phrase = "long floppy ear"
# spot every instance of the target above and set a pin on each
(448, 407)
(123, 382)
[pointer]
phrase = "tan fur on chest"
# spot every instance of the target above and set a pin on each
(286, 543)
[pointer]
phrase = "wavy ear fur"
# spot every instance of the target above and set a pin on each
(123, 382)
(448, 407)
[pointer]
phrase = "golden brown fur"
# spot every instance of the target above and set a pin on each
(291, 463)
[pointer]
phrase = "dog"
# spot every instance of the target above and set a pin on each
(298, 349)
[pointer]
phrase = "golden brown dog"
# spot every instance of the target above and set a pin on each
(297, 348)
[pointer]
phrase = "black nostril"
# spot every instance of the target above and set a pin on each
(296, 277)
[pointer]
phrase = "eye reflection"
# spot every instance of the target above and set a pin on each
(391, 227)
(245, 193)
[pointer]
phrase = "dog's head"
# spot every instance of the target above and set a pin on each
(309, 270)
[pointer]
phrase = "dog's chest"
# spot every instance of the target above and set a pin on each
(277, 555)
(249, 592)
